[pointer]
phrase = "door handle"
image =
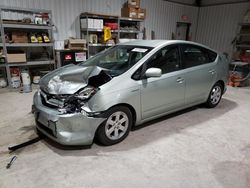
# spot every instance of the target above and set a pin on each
(180, 80)
(212, 71)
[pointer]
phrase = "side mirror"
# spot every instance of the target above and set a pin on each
(153, 72)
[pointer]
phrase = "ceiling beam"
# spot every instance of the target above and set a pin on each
(181, 3)
(226, 3)
(198, 3)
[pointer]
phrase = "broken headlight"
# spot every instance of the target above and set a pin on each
(74, 103)
(86, 93)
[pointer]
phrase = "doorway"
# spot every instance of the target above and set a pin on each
(182, 31)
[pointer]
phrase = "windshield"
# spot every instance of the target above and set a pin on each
(118, 59)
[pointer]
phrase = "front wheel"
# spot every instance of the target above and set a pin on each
(116, 127)
(214, 96)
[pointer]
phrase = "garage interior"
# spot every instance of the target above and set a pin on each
(196, 147)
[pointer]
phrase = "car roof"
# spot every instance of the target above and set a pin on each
(156, 43)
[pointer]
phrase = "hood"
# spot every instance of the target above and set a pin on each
(68, 79)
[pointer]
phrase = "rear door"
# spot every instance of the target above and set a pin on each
(160, 95)
(200, 73)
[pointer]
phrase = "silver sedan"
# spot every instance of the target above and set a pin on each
(125, 86)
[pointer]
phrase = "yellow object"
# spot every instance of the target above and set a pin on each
(33, 39)
(40, 38)
(46, 38)
(107, 34)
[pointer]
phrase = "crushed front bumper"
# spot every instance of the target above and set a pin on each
(66, 129)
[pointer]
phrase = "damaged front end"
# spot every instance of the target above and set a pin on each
(60, 108)
(68, 91)
(68, 103)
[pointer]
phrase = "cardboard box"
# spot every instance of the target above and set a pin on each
(141, 13)
(87, 23)
(19, 37)
(77, 44)
(16, 58)
(80, 56)
(98, 23)
(133, 3)
(129, 12)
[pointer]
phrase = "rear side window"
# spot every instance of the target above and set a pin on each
(194, 56)
(211, 55)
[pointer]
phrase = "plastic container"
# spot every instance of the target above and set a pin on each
(3, 82)
(26, 88)
(25, 77)
(15, 82)
(36, 79)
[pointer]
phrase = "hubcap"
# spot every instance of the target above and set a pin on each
(116, 125)
(215, 95)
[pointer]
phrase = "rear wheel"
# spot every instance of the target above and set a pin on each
(214, 96)
(116, 127)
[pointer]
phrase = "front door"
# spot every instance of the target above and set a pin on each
(162, 94)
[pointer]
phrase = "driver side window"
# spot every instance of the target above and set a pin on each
(167, 59)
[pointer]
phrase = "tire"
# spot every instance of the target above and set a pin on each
(214, 96)
(116, 127)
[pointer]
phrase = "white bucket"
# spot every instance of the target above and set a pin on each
(26, 88)
(25, 78)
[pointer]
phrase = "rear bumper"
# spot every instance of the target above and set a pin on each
(66, 129)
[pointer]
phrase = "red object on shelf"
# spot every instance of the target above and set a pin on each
(245, 58)
(15, 71)
(112, 26)
(68, 57)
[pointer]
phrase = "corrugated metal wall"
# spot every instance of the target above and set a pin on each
(161, 15)
(217, 25)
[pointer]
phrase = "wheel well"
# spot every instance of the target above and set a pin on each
(222, 83)
(131, 108)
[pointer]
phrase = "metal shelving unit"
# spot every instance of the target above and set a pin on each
(127, 28)
(27, 44)
(242, 41)
(28, 27)
(31, 63)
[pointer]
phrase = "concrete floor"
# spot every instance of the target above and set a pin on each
(198, 147)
